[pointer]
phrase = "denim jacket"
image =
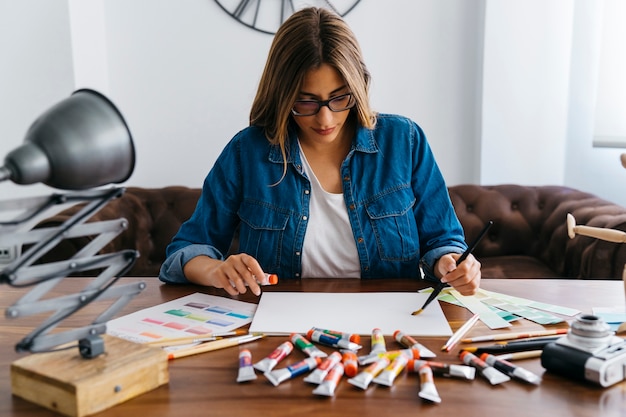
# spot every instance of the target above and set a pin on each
(396, 197)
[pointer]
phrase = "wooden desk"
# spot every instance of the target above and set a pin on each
(205, 384)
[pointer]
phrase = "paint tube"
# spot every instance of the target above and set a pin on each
(350, 362)
(319, 373)
(369, 358)
(280, 353)
(307, 347)
(389, 374)
(246, 371)
(511, 370)
(352, 337)
(279, 375)
(428, 390)
(363, 378)
(331, 340)
(378, 346)
(268, 279)
(411, 353)
(330, 382)
(408, 342)
(378, 341)
(443, 369)
(489, 372)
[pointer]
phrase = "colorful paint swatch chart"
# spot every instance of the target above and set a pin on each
(496, 309)
(194, 314)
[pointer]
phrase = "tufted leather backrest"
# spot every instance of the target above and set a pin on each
(530, 220)
(154, 216)
(163, 212)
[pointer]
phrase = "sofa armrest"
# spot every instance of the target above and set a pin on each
(531, 221)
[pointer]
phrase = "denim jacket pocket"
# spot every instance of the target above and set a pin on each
(394, 225)
(262, 231)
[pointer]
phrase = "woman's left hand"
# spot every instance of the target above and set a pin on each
(465, 277)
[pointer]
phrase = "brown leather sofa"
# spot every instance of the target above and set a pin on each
(527, 240)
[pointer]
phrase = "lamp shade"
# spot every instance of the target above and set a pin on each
(79, 143)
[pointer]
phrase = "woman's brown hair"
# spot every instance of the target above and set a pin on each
(308, 38)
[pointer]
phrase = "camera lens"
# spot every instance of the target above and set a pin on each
(589, 331)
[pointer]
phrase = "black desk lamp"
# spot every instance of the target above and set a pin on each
(80, 143)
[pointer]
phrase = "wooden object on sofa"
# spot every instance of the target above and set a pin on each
(528, 239)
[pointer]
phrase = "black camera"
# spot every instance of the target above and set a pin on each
(589, 352)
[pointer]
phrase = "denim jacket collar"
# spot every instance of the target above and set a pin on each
(363, 142)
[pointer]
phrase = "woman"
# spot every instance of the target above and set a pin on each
(319, 184)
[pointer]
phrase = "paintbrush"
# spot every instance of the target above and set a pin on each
(441, 285)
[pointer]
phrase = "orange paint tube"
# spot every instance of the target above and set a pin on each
(319, 373)
(428, 390)
(350, 363)
(330, 382)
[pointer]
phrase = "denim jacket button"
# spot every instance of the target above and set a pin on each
(304, 217)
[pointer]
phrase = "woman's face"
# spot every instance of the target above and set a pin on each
(327, 126)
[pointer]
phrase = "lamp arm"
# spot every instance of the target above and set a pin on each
(21, 272)
(39, 341)
(96, 200)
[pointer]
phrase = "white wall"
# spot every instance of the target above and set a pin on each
(526, 75)
(35, 71)
(590, 168)
(489, 81)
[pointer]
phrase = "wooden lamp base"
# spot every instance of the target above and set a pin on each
(65, 382)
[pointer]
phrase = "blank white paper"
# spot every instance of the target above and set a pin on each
(360, 313)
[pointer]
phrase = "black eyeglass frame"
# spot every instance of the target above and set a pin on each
(325, 103)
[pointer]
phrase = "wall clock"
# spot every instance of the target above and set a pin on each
(267, 15)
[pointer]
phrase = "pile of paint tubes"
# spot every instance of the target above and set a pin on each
(325, 371)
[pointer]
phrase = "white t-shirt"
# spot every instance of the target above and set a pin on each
(329, 248)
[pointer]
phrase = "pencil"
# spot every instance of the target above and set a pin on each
(173, 341)
(441, 285)
(182, 341)
(454, 339)
(520, 355)
(511, 336)
(211, 346)
(515, 346)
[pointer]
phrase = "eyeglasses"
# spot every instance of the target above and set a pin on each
(311, 107)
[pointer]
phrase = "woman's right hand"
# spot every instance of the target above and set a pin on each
(233, 274)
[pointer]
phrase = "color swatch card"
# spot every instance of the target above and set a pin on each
(295, 312)
(194, 314)
(491, 304)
